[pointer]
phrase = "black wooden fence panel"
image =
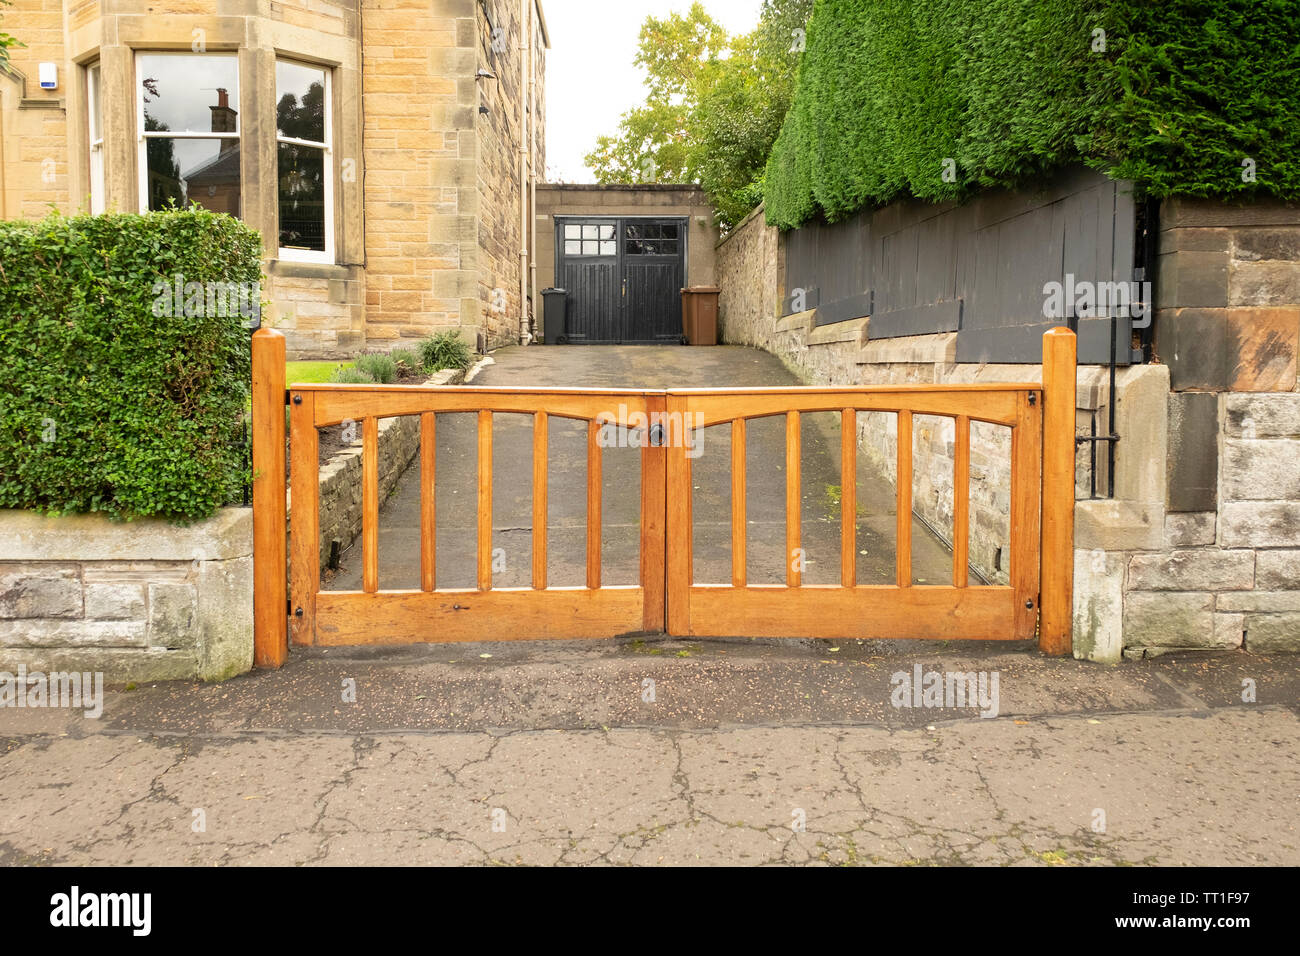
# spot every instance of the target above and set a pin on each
(978, 269)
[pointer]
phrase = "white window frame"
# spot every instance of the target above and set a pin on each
(142, 152)
(327, 147)
(95, 134)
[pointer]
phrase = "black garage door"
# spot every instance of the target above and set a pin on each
(624, 276)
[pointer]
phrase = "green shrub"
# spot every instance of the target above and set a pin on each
(406, 360)
(126, 362)
(1183, 92)
(380, 367)
(445, 350)
(351, 376)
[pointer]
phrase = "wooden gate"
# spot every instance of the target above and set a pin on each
(666, 598)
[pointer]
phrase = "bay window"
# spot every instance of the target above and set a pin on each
(305, 184)
(189, 130)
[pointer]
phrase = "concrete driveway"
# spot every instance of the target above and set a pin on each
(638, 367)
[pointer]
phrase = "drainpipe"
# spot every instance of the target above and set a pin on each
(526, 42)
(532, 161)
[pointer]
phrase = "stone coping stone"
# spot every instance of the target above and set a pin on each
(28, 536)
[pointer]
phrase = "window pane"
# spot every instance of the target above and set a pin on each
(652, 230)
(572, 232)
(96, 111)
(589, 247)
(300, 101)
(634, 247)
(633, 230)
(200, 171)
(607, 232)
(669, 230)
(608, 248)
(190, 93)
(589, 232)
(573, 247)
(302, 197)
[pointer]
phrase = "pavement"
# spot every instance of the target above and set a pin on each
(656, 751)
(638, 751)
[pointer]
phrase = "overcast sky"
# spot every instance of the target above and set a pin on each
(590, 77)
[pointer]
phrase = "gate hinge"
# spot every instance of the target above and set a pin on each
(286, 396)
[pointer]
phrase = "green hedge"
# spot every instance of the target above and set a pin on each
(123, 392)
(1184, 91)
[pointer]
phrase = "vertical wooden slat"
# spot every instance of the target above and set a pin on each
(304, 527)
(738, 509)
(1057, 554)
(678, 505)
(270, 620)
(1026, 536)
(793, 561)
(848, 498)
(654, 465)
(484, 501)
(541, 440)
(370, 505)
(593, 504)
(428, 507)
(904, 534)
(961, 504)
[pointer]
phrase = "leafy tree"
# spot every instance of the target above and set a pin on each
(679, 54)
(738, 117)
(7, 41)
(714, 105)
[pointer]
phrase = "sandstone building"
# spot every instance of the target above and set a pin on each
(387, 150)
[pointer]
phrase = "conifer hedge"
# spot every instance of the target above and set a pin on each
(938, 98)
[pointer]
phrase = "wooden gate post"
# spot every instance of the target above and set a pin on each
(1056, 580)
(270, 607)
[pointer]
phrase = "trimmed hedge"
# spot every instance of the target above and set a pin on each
(1182, 93)
(123, 392)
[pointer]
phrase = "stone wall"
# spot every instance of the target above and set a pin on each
(1200, 545)
(1226, 570)
(340, 481)
(143, 600)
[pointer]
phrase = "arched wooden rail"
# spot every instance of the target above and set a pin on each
(1038, 595)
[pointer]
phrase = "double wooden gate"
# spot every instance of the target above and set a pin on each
(666, 597)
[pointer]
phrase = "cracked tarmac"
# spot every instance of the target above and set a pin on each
(551, 755)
